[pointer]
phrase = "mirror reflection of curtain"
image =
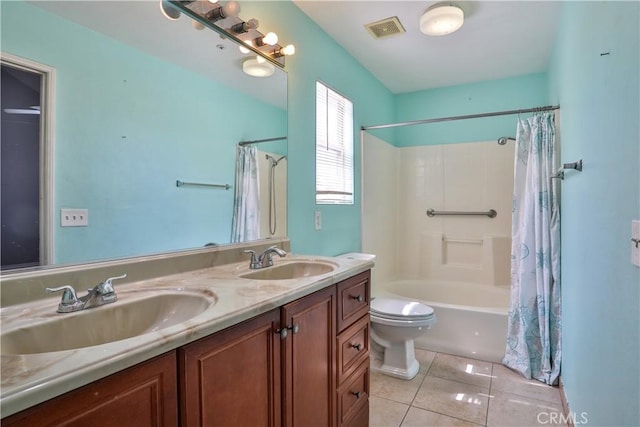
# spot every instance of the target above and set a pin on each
(246, 205)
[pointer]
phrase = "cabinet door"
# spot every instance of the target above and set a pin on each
(232, 378)
(144, 395)
(309, 366)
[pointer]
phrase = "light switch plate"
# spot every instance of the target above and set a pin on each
(74, 217)
(635, 245)
(318, 220)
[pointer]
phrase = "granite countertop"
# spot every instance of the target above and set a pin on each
(29, 379)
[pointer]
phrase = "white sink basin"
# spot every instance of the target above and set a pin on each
(291, 270)
(112, 322)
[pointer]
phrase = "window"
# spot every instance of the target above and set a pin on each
(334, 147)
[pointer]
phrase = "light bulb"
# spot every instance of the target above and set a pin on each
(244, 49)
(243, 27)
(289, 50)
(270, 39)
(196, 25)
(213, 1)
(260, 60)
(232, 8)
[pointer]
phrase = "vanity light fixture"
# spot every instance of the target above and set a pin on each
(231, 8)
(257, 67)
(441, 19)
(223, 18)
(270, 39)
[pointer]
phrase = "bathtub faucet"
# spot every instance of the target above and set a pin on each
(265, 258)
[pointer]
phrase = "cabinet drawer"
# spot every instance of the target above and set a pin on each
(360, 419)
(353, 347)
(353, 299)
(353, 395)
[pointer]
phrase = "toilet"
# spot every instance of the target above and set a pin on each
(395, 324)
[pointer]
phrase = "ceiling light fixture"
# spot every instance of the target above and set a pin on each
(441, 20)
(169, 11)
(257, 67)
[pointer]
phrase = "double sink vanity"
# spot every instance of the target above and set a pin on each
(199, 338)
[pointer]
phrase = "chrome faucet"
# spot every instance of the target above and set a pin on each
(265, 258)
(103, 293)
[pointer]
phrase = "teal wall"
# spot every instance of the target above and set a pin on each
(128, 125)
(474, 98)
(600, 102)
(318, 57)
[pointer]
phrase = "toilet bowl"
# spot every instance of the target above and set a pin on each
(394, 325)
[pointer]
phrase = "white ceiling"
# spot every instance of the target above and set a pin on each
(499, 39)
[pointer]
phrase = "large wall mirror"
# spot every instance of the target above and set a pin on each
(140, 102)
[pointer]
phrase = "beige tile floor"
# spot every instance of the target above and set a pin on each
(456, 391)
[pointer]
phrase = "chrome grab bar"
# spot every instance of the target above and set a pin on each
(490, 213)
(202, 184)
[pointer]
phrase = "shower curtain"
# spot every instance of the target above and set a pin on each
(533, 336)
(246, 206)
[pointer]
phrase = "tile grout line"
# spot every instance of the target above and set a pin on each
(486, 419)
(415, 394)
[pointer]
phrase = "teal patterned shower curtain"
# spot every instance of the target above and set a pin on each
(533, 336)
(245, 225)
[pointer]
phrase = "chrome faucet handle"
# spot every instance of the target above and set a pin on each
(69, 296)
(254, 263)
(70, 301)
(106, 287)
(266, 258)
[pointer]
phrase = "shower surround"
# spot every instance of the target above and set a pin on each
(460, 265)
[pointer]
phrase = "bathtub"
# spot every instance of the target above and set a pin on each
(471, 318)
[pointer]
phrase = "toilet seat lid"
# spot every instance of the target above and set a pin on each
(396, 308)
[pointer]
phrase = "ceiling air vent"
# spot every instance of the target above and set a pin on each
(385, 28)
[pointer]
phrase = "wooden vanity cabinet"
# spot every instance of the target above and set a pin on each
(304, 364)
(293, 366)
(142, 396)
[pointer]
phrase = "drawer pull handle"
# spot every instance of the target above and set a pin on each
(358, 298)
(357, 394)
(358, 346)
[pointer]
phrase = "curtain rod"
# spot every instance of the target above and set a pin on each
(258, 141)
(470, 116)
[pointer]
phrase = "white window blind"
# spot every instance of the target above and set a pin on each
(334, 147)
